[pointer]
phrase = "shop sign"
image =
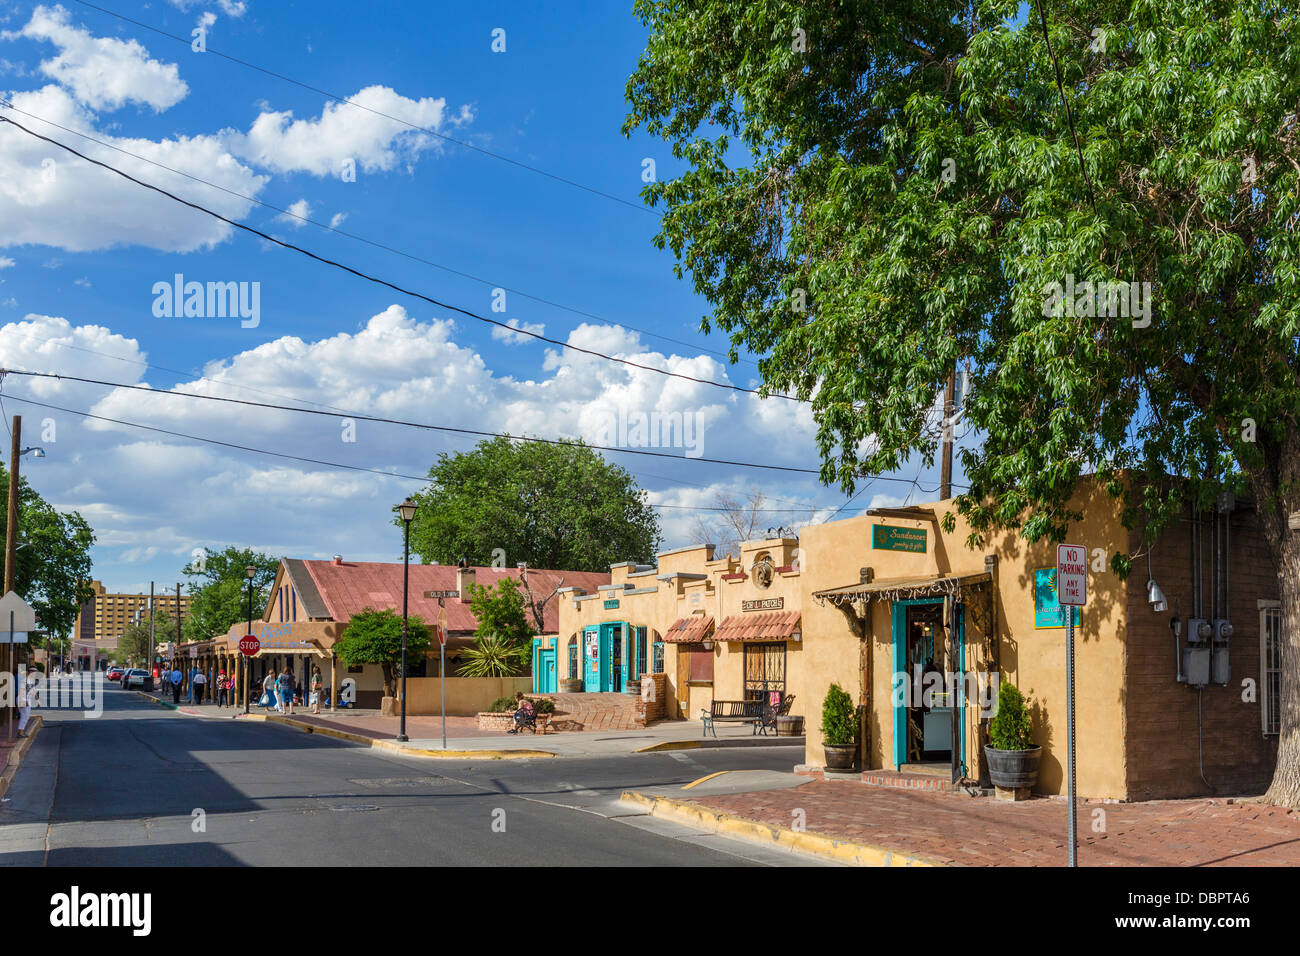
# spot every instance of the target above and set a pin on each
(890, 538)
(766, 604)
(611, 605)
(1048, 611)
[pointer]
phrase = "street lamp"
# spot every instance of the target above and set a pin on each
(249, 572)
(407, 511)
(34, 451)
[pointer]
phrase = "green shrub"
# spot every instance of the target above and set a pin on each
(543, 705)
(1010, 728)
(501, 705)
(839, 719)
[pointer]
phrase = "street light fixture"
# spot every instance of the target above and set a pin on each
(34, 451)
(407, 512)
(250, 572)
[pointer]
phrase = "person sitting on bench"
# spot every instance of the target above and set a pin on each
(524, 713)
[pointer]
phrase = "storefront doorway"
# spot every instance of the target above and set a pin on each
(924, 728)
(604, 647)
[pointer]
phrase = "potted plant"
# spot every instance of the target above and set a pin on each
(1011, 753)
(839, 729)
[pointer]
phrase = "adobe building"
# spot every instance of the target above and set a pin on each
(1169, 701)
(312, 603)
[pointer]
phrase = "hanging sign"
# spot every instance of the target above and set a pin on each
(886, 537)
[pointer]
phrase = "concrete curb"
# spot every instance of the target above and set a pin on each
(394, 747)
(20, 750)
(710, 743)
(714, 821)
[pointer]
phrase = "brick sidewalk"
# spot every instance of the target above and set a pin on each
(377, 727)
(965, 831)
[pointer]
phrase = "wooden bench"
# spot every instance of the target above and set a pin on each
(756, 712)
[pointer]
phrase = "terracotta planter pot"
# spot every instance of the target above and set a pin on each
(1013, 769)
(840, 756)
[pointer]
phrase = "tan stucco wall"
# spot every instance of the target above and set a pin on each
(1033, 659)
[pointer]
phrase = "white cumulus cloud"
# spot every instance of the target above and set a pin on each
(104, 73)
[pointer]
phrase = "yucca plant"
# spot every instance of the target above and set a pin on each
(494, 656)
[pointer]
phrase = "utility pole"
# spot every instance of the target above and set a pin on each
(945, 475)
(151, 638)
(11, 529)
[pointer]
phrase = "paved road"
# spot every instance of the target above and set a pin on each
(144, 786)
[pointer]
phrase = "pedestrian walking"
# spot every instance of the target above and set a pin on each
(268, 689)
(176, 679)
(223, 688)
(193, 670)
(199, 683)
(286, 689)
(317, 684)
(29, 696)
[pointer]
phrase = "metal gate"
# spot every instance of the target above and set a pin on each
(764, 670)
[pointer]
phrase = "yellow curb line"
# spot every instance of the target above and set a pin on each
(670, 745)
(714, 821)
(395, 747)
(16, 755)
(696, 783)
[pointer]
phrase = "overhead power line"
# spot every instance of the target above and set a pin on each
(518, 330)
(450, 429)
(300, 458)
(573, 310)
(210, 51)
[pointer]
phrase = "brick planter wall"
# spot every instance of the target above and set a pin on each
(656, 687)
(490, 721)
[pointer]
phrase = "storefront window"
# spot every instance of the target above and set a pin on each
(699, 662)
(640, 652)
(658, 658)
(573, 659)
(764, 670)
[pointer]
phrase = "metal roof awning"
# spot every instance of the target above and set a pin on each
(689, 630)
(773, 626)
(902, 589)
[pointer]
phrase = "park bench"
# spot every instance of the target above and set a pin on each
(756, 712)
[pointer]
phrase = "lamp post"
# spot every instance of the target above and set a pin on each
(407, 511)
(249, 572)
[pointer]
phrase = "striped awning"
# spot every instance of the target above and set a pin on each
(689, 630)
(773, 626)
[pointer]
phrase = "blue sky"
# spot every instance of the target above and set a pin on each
(81, 252)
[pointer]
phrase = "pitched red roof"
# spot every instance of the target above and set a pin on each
(349, 587)
(774, 626)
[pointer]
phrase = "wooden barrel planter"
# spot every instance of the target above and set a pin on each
(571, 685)
(789, 726)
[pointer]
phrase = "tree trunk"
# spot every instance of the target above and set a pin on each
(390, 686)
(1285, 789)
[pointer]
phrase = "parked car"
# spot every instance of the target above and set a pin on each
(137, 677)
(115, 673)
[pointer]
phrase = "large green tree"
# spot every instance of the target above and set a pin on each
(375, 637)
(553, 506)
(52, 566)
(875, 192)
(218, 590)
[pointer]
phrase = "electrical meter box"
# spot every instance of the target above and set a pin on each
(1220, 669)
(1196, 664)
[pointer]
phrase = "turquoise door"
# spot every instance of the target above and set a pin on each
(550, 678)
(591, 660)
(900, 667)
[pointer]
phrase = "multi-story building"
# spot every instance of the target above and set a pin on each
(105, 617)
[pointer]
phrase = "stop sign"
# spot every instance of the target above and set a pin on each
(249, 645)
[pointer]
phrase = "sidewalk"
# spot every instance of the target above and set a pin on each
(12, 751)
(957, 830)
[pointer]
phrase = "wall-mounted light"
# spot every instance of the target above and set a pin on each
(708, 644)
(1156, 597)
